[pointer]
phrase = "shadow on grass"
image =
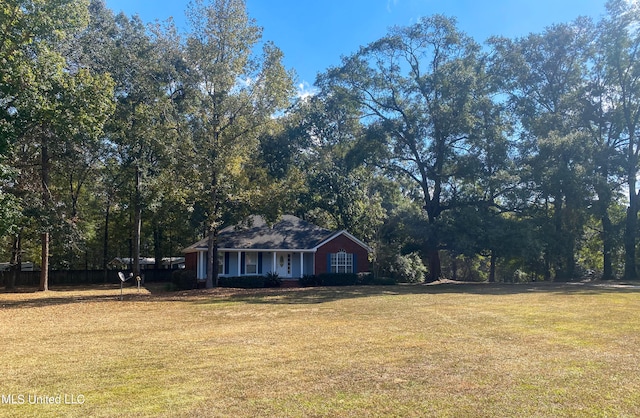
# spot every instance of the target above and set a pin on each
(315, 295)
(25, 297)
(156, 292)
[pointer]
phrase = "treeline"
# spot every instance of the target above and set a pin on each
(512, 160)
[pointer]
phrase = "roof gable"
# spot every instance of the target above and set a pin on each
(348, 235)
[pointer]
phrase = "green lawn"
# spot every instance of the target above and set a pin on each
(445, 350)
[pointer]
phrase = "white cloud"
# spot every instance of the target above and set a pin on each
(391, 4)
(306, 90)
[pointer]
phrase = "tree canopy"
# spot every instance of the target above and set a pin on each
(512, 159)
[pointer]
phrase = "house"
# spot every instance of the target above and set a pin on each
(291, 248)
(25, 266)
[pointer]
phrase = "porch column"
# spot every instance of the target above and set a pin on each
(275, 267)
(301, 264)
(239, 263)
(201, 265)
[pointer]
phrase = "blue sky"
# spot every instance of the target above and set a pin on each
(314, 34)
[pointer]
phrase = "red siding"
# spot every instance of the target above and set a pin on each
(342, 242)
(191, 261)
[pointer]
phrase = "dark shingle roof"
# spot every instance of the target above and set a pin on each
(289, 233)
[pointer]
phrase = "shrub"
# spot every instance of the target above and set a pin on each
(170, 287)
(365, 278)
(338, 279)
(272, 280)
(407, 268)
(184, 280)
(242, 282)
(410, 268)
(309, 281)
(520, 276)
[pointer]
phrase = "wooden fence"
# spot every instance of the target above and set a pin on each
(80, 277)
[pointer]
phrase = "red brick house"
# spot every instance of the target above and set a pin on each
(291, 247)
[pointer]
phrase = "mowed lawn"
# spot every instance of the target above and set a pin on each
(540, 350)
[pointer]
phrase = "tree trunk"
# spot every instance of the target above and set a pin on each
(631, 224)
(16, 262)
(492, 267)
(212, 259)
(46, 198)
(44, 268)
(137, 227)
(105, 240)
(157, 246)
(547, 265)
(432, 207)
(435, 268)
(454, 267)
(212, 233)
(607, 247)
(560, 241)
(604, 193)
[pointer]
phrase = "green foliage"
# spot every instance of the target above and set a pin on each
(466, 268)
(407, 268)
(272, 280)
(309, 280)
(9, 205)
(338, 279)
(224, 116)
(520, 276)
(184, 280)
(244, 282)
(427, 98)
(506, 164)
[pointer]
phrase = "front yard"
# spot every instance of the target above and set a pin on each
(445, 350)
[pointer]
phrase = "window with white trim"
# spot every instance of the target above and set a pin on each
(251, 263)
(341, 262)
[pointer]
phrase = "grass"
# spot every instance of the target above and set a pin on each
(399, 351)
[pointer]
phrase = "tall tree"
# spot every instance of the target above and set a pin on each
(141, 136)
(545, 79)
(619, 41)
(54, 105)
(24, 25)
(417, 89)
(604, 126)
(341, 188)
(234, 94)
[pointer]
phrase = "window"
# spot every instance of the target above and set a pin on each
(220, 262)
(251, 263)
(341, 262)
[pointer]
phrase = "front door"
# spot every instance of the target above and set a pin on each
(283, 264)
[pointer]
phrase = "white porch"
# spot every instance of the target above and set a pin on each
(286, 263)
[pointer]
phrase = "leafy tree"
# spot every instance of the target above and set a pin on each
(400, 241)
(233, 95)
(619, 42)
(26, 26)
(604, 124)
(544, 76)
(54, 106)
(342, 190)
(418, 89)
(137, 156)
